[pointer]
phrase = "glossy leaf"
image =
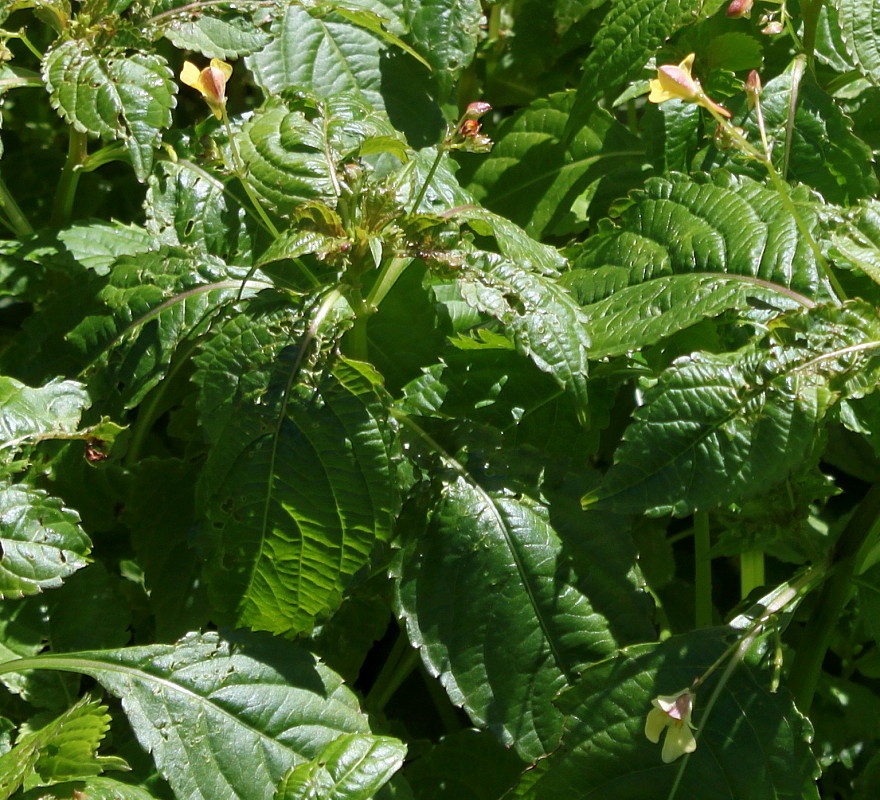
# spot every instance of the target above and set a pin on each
(542, 182)
(99, 788)
(451, 29)
(28, 414)
(227, 36)
(223, 717)
(605, 751)
(860, 26)
(517, 628)
(349, 768)
(545, 324)
(114, 97)
(720, 427)
(294, 516)
(41, 541)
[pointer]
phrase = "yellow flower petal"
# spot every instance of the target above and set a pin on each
(655, 724)
(225, 68)
(190, 74)
(679, 740)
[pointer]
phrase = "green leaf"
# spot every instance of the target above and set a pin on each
(719, 427)
(350, 768)
(467, 765)
(605, 752)
(98, 788)
(544, 322)
(517, 627)
(160, 512)
(825, 153)
(223, 34)
(223, 717)
(448, 31)
(860, 25)
(64, 749)
(544, 183)
(27, 414)
(322, 55)
(630, 34)
(114, 97)
(41, 542)
(295, 516)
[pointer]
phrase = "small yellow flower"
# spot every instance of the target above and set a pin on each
(676, 82)
(211, 82)
(672, 713)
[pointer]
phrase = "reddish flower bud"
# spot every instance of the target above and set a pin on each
(477, 110)
(740, 8)
(773, 28)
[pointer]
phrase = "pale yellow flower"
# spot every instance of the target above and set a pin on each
(211, 82)
(672, 713)
(676, 82)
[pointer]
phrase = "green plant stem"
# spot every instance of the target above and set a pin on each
(401, 661)
(751, 571)
(441, 149)
(856, 540)
(65, 194)
(702, 571)
(388, 276)
(240, 172)
(810, 10)
(17, 221)
(782, 189)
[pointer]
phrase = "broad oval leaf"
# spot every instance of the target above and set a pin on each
(605, 752)
(489, 599)
(222, 717)
(227, 35)
(113, 96)
(41, 541)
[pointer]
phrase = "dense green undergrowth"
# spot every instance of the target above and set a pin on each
(398, 401)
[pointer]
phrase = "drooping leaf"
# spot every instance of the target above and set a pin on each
(516, 628)
(28, 414)
(719, 427)
(295, 515)
(223, 717)
(605, 752)
(544, 183)
(449, 31)
(350, 768)
(544, 322)
(41, 541)
(112, 96)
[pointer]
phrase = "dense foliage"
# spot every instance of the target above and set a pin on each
(362, 440)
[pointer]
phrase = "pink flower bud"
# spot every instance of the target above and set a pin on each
(740, 8)
(773, 28)
(477, 110)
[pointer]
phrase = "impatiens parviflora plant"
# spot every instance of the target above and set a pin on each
(364, 438)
